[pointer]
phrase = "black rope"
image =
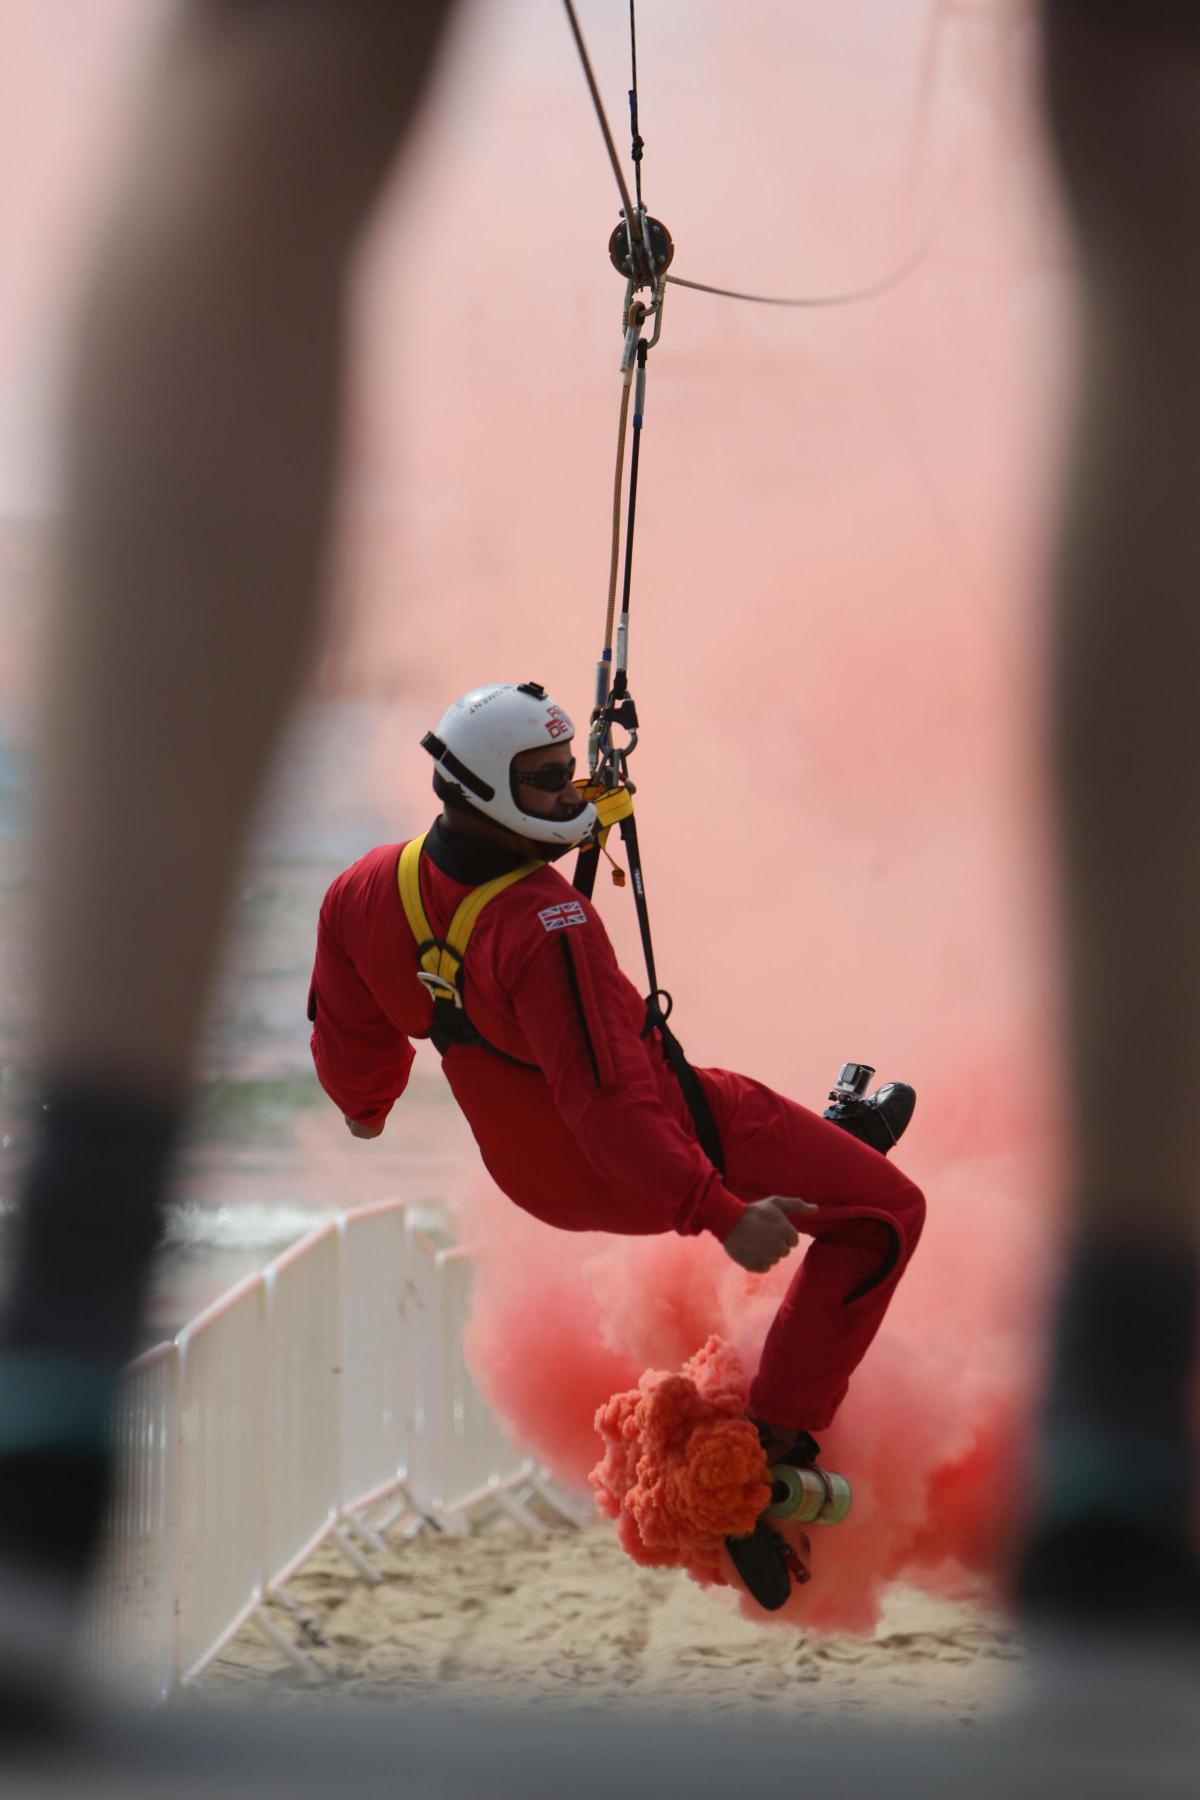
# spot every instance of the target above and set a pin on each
(620, 708)
(658, 1001)
(629, 838)
(658, 1010)
(586, 865)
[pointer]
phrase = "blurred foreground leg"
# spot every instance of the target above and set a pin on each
(1113, 1543)
(202, 445)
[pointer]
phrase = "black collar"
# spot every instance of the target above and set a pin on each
(465, 858)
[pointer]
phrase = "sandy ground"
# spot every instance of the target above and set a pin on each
(569, 1617)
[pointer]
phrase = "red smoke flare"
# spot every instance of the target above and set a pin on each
(682, 1468)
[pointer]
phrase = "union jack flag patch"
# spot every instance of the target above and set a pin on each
(556, 918)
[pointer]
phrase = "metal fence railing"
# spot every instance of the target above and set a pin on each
(326, 1397)
(219, 1552)
(131, 1625)
(376, 1366)
(301, 1439)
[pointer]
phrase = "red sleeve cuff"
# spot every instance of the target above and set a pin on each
(720, 1213)
(372, 1115)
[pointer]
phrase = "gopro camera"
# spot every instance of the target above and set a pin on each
(852, 1082)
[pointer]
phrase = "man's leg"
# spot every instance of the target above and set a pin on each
(868, 1227)
(201, 452)
(1123, 103)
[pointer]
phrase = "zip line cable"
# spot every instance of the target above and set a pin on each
(638, 145)
(641, 249)
(644, 261)
(850, 297)
(633, 214)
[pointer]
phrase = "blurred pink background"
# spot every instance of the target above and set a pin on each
(838, 611)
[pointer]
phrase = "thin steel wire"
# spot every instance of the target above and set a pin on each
(633, 103)
(849, 298)
(633, 215)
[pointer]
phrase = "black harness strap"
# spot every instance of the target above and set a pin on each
(573, 984)
(689, 1082)
(619, 708)
(586, 864)
(658, 1011)
(452, 1025)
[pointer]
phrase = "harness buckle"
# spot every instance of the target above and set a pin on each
(439, 987)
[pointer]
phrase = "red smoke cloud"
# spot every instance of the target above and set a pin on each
(933, 1435)
(683, 1469)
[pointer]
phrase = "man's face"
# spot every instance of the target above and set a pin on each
(549, 793)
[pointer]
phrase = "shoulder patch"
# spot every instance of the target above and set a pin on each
(557, 918)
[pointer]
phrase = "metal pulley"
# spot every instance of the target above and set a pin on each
(656, 247)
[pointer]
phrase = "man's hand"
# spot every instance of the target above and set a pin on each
(764, 1234)
(359, 1130)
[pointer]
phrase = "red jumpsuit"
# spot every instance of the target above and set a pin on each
(596, 1135)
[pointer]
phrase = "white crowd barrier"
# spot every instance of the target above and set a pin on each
(473, 1441)
(303, 1385)
(326, 1397)
(430, 1377)
(132, 1622)
(462, 1462)
(376, 1365)
(219, 1562)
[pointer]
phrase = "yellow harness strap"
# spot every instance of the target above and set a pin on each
(442, 958)
(612, 805)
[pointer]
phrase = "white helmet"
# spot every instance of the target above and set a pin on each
(474, 746)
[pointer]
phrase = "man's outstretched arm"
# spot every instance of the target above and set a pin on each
(362, 1060)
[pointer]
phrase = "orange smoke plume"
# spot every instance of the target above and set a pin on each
(682, 1468)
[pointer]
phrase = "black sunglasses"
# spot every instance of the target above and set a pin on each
(550, 780)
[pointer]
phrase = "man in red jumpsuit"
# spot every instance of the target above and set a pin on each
(577, 1115)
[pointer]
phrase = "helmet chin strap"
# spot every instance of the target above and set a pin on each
(467, 818)
(549, 853)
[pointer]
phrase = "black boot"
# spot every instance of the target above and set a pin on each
(766, 1561)
(761, 1559)
(782, 1443)
(880, 1120)
(803, 1452)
